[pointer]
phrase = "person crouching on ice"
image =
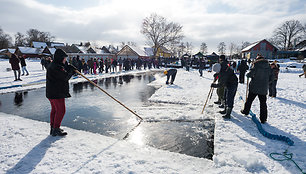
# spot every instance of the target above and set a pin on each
(172, 73)
(227, 78)
(57, 89)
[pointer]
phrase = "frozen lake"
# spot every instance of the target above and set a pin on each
(91, 110)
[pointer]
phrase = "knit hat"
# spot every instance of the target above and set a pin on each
(216, 67)
(59, 55)
(222, 57)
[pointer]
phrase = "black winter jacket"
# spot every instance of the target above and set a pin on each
(22, 61)
(171, 72)
(261, 75)
(227, 76)
(57, 85)
(243, 67)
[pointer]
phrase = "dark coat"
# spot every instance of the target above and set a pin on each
(22, 61)
(57, 85)
(90, 63)
(14, 61)
(261, 75)
(227, 76)
(171, 72)
(243, 67)
(304, 67)
(275, 71)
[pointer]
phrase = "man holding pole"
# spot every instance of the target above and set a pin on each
(228, 79)
(57, 89)
(261, 75)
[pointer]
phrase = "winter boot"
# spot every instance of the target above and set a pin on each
(51, 129)
(217, 102)
(58, 132)
(228, 113)
(244, 112)
(223, 112)
(221, 106)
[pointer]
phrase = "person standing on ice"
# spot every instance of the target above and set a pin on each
(202, 65)
(261, 75)
(228, 79)
(242, 68)
(172, 73)
(220, 91)
(57, 89)
(273, 82)
(23, 65)
(304, 69)
(14, 61)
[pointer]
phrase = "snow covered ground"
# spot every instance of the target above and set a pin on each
(26, 146)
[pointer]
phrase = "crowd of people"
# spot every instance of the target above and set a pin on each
(100, 65)
(263, 77)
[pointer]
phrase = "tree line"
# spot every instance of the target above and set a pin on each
(24, 39)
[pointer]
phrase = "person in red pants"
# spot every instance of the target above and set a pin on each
(57, 89)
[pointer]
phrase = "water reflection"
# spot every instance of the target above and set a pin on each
(127, 78)
(78, 87)
(193, 138)
(18, 99)
(108, 82)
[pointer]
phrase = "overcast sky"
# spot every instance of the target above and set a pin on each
(113, 21)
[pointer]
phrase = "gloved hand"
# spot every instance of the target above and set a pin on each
(70, 68)
(213, 85)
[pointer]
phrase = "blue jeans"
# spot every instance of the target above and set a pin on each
(230, 92)
(24, 69)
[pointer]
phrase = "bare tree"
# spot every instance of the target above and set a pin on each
(87, 44)
(36, 35)
(244, 44)
(203, 48)
(287, 34)
(5, 40)
(174, 49)
(161, 33)
(181, 49)
(20, 39)
(232, 48)
(189, 48)
(221, 48)
(128, 43)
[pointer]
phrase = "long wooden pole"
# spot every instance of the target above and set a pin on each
(107, 94)
(211, 88)
(247, 90)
